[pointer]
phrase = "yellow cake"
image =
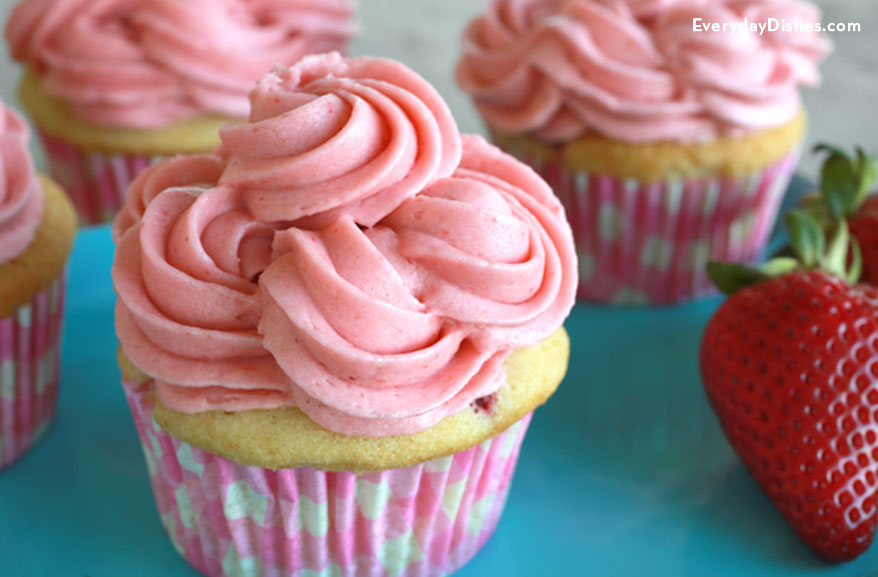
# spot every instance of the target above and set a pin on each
(200, 134)
(286, 438)
(42, 262)
(662, 161)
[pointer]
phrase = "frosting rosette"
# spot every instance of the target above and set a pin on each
(743, 81)
(21, 197)
(391, 328)
(195, 171)
(347, 253)
(492, 249)
(637, 70)
(189, 303)
(150, 63)
(332, 137)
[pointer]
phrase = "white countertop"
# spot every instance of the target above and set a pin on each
(424, 34)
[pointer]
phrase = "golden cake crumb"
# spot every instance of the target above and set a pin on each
(196, 135)
(286, 438)
(651, 162)
(42, 261)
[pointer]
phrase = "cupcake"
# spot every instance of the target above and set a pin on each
(37, 224)
(669, 147)
(114, 85)
(335, 329)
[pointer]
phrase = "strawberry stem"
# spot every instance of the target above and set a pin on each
(809, 251)
(730, 277)
(856, 269)
(867, 168)
(806, 237)
(845, 181)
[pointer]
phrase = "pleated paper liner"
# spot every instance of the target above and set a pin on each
(30, 342)
(233, 520)
(96, 182)
(649, 243)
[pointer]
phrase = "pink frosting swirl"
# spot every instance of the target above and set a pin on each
(370, 329)
(189, 304)
(392, 328)
(333, 136)
(150, 63)
(634, 70)
(492, 249)
(202, 170)
(21, 197)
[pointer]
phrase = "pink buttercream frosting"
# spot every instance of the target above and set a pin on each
(21, 196)
(368, 135)
(347, 252)
(150, 63)
(635, 70)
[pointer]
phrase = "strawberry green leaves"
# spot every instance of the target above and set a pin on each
(820, 238)
(810, 250)
(846, 181)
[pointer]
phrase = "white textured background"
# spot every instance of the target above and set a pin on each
(424, 35)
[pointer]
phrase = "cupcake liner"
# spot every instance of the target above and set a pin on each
(29, 368)
(235, 520)
(649, 243)
(96, 182)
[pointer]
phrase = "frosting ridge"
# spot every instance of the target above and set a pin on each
(634, 70)
(331, 136)
(150, 63)
(377, 312)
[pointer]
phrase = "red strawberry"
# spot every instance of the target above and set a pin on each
(845, 184)
(864, 227)
(790, 366)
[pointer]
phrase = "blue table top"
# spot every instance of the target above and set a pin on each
(624, 472)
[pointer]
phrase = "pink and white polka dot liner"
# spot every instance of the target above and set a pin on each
(30, 343)
(649, 243)
(233, 520)
(95, 181)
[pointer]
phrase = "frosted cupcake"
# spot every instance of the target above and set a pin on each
(37, 224)
(668, 147)
(334, 331)
(114, 85)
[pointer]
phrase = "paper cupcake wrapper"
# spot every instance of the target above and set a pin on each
(95, 181)
(29, 368)
(233, 520)
(649, 243)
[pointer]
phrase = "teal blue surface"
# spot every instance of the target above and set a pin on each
(624, 471)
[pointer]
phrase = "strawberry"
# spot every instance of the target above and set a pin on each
(864, 227)
(846, 183)
(790, 367)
